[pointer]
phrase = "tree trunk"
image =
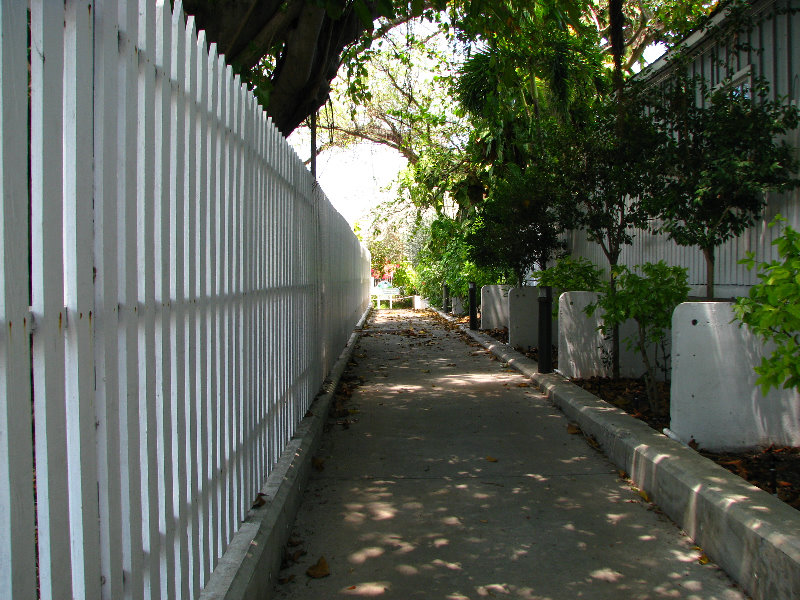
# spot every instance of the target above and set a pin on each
(614, 332)
(708, 253)
(616, 23)
(650, 383)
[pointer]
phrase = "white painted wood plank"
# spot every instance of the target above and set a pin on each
(224, 305)
(131, 472)
(191, 263)
(235, 278)
(17, 553)
(163, 306)
(106, 323)
(260, 266)
(203, 250)
(249, 324)
(178, 296)
(79, 300)
(47, 297)
(212, 292)
(148, 438)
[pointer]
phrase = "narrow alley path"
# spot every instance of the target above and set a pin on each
(445, 475)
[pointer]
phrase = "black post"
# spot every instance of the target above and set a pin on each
(473, 306)
(546, 331)
(445, 297)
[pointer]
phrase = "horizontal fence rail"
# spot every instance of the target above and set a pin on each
(174, 288)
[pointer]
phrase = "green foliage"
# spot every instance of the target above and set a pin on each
(570, 274)
(617, 171)
(720, 157)
(445, 259)
(517, 226)
(649, 299)
(386, 249)
(406, 277)
(772, 312)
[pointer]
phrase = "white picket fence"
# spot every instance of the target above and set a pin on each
(173, 290)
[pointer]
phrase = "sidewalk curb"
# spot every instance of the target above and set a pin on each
(250, 565)
(753, 536)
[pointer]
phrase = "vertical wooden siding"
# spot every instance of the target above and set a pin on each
(174, 287)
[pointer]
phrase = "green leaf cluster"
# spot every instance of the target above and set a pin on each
(772, 312)
(649, 299)
(446, 259)
(571, 274)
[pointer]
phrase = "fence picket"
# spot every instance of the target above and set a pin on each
(131, 470)
(177, 297)
(79, 300)
(17, 552)
(107, 407)
(47, 297)
(163, 252)
(191, 258)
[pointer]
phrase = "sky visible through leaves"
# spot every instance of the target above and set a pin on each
(362, 176)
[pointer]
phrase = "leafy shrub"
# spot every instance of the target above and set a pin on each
(649, 299)
(406, 277)
(772, 311)
(572, 275)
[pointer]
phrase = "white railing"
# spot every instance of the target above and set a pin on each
(173, 290)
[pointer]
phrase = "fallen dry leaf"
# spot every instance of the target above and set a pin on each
(573, 429)
(523, 385)
(491, 459)
(703, 559)
(297, 555)
(319, 570)
(644, 495)
(260, 500)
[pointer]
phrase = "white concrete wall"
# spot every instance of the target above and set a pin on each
(581, 345)
(523, 318)
(494, 306)
(714, 397)
(457, 306)
(420, 303)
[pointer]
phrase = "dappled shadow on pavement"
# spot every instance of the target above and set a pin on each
(451, 477)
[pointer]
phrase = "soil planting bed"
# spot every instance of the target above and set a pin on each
(775, 469)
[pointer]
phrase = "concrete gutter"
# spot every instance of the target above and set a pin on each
(250, 565)
(752, 535)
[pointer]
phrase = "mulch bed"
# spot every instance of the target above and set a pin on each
(775, 470)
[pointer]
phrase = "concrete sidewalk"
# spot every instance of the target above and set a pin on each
(452, 477)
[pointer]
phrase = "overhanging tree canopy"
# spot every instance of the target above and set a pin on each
(290, 50)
